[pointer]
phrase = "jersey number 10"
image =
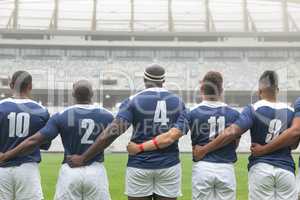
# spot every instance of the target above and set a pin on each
(18, 124)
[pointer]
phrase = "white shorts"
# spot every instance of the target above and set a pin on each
(145, 182)
(213, 181)
(268, 183)
(21, 182)
(89, 183)
(298, 184)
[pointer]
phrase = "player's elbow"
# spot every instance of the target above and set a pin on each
(35, 140)
(232, 132)
(295, 131)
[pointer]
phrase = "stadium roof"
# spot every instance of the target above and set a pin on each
(152, 16)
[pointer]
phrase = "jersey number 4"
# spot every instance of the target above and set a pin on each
(217, 125)
(18, 124)
(160, 115)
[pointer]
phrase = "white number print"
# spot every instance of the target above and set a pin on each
(18, 124)
(274, 130)
(89, 125)
(160, 115)
(214, 123)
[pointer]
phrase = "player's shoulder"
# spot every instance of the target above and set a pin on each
(78, 107)
(152, 91)
(297, 103)
(30, 102)
(88, 107)
(271, 105)
(209, 105)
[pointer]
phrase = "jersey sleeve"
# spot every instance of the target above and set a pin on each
(235, 115)
(297, 108)
(182, 122)
(125, 111)
(45, 116)
(51, 130)
(108, 118)
(245, 120)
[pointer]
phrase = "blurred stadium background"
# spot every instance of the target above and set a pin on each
(110, 42)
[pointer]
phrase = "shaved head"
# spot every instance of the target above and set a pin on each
(83, 91)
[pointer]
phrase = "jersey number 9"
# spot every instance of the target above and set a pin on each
(274, 130)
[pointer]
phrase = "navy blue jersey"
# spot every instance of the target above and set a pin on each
(78, 126)
(267, 120)
(297, 111)
(151, 112)
(297, 107)
(206, 121)
(20, 119)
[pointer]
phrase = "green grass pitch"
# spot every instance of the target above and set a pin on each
(116, 164)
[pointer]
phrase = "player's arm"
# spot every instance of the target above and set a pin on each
(108, 136)
(181, 127)
(25, 147)
(47, 143)
(289, 137)
(227, 136)
(161, 141)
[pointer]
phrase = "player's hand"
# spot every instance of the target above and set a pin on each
(199, 152)
(2, 157)
(133, 148)
(257, 149)
(75, 161)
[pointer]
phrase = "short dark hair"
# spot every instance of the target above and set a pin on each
(212, 83)
(269, 80)
(82, 91)
(20, 81)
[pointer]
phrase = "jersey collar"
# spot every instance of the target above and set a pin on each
(213, 104)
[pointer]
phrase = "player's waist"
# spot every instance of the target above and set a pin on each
(97, 159)
(283, 163)
(19, 162)
(154, 160)
(220, 158)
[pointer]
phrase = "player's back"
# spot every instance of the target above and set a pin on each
(207, 120)
(152, 111)
(20, 119)
(79, 126)
(269, 121)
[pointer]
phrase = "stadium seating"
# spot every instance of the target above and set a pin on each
(183, 75)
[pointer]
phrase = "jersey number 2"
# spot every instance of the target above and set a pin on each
(160, 115)
(18, 124)
(89, 125)
(215, 122)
